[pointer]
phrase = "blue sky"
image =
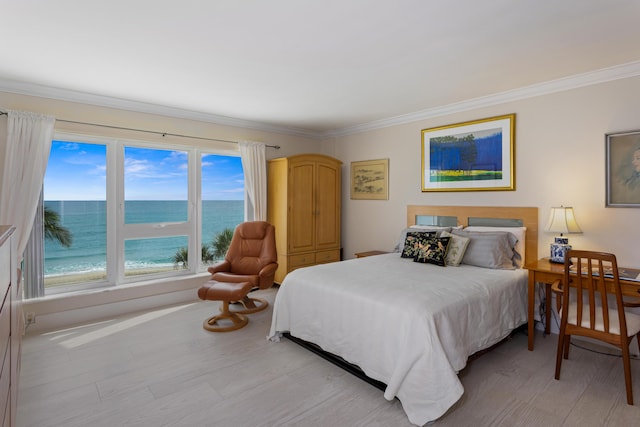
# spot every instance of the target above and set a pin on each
(77, 171)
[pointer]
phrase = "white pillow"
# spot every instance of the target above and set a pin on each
(490, 249)
(519, 232)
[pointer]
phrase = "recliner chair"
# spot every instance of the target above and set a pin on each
(250, 264)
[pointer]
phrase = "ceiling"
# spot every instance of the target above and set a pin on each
(313, 67)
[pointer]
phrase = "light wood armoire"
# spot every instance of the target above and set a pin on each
(304, 206)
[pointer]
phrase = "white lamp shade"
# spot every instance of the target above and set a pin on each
(562, 220)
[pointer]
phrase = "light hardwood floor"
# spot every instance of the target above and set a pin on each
(160, 368)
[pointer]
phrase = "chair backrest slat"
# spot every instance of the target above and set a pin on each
(602, 288)
(594, 277)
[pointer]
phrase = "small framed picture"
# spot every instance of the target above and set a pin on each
(623, 169)
(370, 180)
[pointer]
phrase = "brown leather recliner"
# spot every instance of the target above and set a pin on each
(251, 256)
(250, 263)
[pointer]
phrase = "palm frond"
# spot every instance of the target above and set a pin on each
(54, 231)
(221, 243)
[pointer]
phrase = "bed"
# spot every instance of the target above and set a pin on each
(412, 325)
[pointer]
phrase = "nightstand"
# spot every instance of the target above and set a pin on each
(369, 253)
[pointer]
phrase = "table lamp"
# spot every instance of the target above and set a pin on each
(561, 220)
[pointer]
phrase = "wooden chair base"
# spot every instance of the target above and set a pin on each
(220, 322)
(251, 305)
(225, 292)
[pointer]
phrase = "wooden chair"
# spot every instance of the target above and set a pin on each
(592, 306)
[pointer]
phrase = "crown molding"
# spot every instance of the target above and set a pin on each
(631, 69)
(41, 91)
(623, 71)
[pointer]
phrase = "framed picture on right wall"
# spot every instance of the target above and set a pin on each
(623, 169)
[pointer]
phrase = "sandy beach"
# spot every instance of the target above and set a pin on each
(94, 276)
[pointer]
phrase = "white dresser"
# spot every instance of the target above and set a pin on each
(11, 326)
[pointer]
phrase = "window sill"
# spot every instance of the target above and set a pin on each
(77, 307)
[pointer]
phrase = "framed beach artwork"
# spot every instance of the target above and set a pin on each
(623, 169)
(370, 179)
(470, 156)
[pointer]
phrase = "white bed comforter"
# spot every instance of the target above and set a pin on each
(407, 324)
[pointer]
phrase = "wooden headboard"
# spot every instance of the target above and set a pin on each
(528, 216)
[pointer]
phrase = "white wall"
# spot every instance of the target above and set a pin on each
(560, 159)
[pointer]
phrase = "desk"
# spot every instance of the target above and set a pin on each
(544, 271)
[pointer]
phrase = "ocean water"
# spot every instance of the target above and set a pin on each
(87, 222)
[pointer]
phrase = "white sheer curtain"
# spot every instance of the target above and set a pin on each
(254, 163)
(33, 267)
(27, 150)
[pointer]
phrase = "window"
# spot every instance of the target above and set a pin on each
(134, 211)
(156, 217)
(222, 189)
(75, 200)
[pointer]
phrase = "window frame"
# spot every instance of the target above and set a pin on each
(115, 215)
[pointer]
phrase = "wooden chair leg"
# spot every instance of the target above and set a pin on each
(560, 351)
(252, 305)
(626, 360)
(567, 344)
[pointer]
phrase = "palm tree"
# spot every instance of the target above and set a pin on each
(221, 243)
(181, 257)
(54, 231)
(207, 255)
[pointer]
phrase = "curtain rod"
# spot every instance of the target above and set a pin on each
(277, 147)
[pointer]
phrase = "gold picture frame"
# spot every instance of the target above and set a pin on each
(471, 156)
(370, 180)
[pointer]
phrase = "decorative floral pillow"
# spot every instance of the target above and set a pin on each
(434, 251)
(414, 241)
(457, 247)
(417, 228)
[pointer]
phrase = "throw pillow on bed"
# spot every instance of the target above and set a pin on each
(457, 247)
(417, 228)
(414, 241)
(434, 251)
